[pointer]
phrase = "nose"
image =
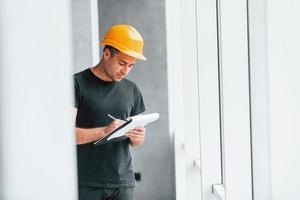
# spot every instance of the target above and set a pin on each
(125, 70)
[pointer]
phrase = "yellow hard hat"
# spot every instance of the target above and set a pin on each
(126, 39)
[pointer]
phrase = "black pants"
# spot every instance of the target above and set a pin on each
(94, 193)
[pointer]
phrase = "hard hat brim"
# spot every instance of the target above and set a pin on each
(123, 50)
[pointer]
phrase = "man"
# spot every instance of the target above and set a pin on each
(105, 171)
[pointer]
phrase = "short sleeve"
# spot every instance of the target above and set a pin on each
(138, 106)
(77, 93)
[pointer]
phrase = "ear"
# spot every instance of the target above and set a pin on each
(106, 53)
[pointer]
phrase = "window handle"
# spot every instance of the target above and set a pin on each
(218, 191)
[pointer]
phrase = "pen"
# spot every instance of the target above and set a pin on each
(111, 116)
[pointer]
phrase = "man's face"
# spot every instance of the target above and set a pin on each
(117, 67)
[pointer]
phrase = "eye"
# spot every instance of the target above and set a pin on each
(122, 63)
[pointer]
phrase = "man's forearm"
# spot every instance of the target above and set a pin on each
(86, 135)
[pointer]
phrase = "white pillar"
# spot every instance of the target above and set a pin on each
(95, 31)
(37, 144)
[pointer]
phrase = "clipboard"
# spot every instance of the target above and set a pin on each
(131, 122)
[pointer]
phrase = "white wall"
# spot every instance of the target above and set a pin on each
(37, 143)
(284, 72)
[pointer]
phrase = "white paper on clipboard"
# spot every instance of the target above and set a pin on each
(135, 121)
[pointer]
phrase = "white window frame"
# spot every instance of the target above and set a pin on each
(236, 100)
(257, 10)
(183, 111)
(193, 96)
(195, 113)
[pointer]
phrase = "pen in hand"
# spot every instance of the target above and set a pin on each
(112, 117)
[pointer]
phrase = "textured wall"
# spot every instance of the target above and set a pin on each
(154, 159)
(82, 41)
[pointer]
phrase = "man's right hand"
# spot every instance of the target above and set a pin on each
(113, 125)
(87, 135)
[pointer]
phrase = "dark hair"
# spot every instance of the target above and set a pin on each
(111, 49)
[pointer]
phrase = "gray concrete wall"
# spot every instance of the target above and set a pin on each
(154, 160)
(82, 36)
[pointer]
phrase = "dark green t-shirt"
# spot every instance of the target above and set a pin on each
(107, 165)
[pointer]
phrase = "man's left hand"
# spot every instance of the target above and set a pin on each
(136, 136)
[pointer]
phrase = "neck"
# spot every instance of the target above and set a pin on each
(98, 70)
